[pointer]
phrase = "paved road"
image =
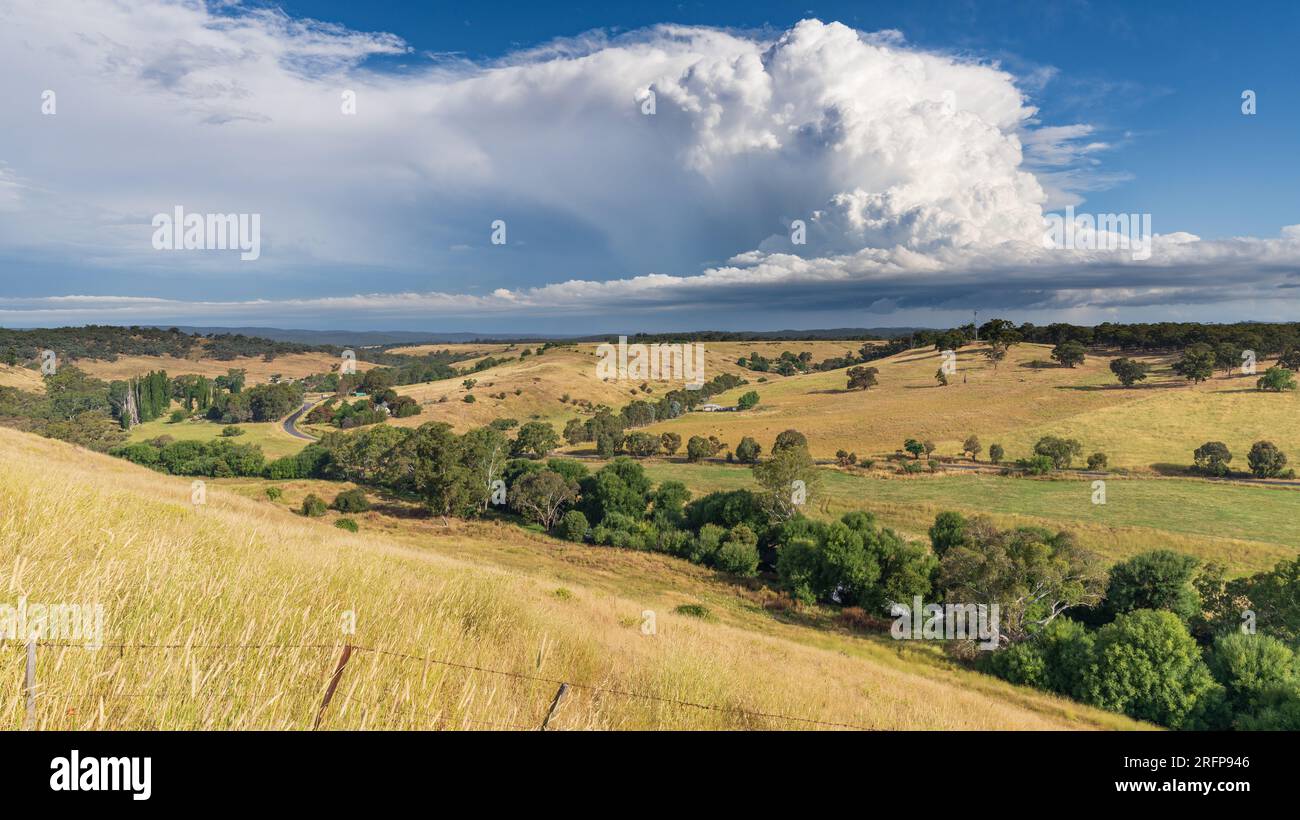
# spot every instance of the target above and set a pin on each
(290, 423)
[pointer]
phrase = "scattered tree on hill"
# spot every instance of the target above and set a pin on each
(536, 439)
(862, 378)
(1097, 461)
(671, 442)
(1060, 450)
(1212, 458)
(996, 453)
(972, 447)
(1129, 371)
(747, 401)
(1196, 364)
(1266, 460)
(914, 447)
(698, 448)
(941, 377)
(313, 506)
(1276, 379)
(541, 496)
(748, 450)
(789, 439)
(778, 475)
(845, 459)
(1069, 354)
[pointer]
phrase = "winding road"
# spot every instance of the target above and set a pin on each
(290, 424)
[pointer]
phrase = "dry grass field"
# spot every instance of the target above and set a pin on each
(1161, 422)
(288, 365)
(22, 378)
(229, 615)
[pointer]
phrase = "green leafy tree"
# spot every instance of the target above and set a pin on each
(862, 378)
(536, 439)
(1276, 380)
(1147, 665)
(789, 439)
(1159, 579)
(1255, 670)
(1062, 451)
(351, 501)
(1196, 364)
(948, 531)
(996, 453)
(738, 553)
(541, 497)
(748, 450)
(1069, 354)
(671, 442)
(698, 448)
(313, 506)
(914, 447)
(1128, 371)
(1212, 458)
(972, 447)
(1266, 460)
(573, 526)
(1097, 461)
(777, 477)
(748, 400)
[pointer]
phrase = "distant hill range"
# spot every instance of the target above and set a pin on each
(365, 338)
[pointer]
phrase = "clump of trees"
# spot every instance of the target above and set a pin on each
(1129, 371)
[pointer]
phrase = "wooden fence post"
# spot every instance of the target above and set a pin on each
(29, 687)
(559, 695)
(334, 684)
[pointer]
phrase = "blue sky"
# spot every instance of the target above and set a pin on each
(919, 143)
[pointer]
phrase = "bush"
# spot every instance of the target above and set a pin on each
(1097, 461)
(1147, 665)
(996, 453)
(694, 611)
(748, 400)
(1212, 458)
(274, 493)
(1254, 670)
(178, 416)
(1266, 460)
(573, 526)
(707, 543)
(346, 524)
(313, 506)
(469, 398)
(1060, 450)
(739, 552)
(351, 501)
(1037, 465)
(230, 431)
(1160, 579)
(747, 451)
(698, 448)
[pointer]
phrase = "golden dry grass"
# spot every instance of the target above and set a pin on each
(80, 527)
(22, 378)
(288, 365)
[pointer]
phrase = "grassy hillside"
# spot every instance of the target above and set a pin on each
(288, 365)
(270, 436)
(193, 581)
(1026, 397)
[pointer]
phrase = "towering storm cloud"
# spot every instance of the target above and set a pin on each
(820, 166)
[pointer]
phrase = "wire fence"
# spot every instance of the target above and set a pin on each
(32, 689)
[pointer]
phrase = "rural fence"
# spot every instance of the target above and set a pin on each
(32, 688)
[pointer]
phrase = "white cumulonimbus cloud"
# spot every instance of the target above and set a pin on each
(921, 178)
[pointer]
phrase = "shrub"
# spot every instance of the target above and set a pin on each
(1276, 379)
(274, 493)
(469, 398)
(346, 524)
(707, 543)
(1147, 665)
(739, 552)
(1097, 461)
(313, 506)
(178, 416)
(1253, 669)
(694, 611)
(1160, 579)
(748, 450)
(573, 526)
(1060, 450)
(996, 453)
(698, 448)
(748, 400)
(230, 431)
(1037, 465)
(1266, 460)
(351, 501)
(1212, 458)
